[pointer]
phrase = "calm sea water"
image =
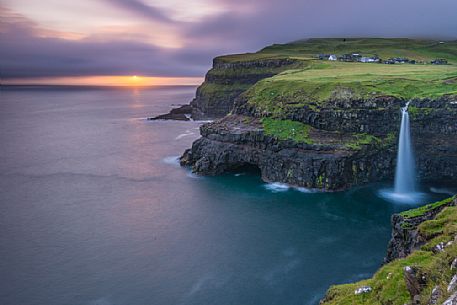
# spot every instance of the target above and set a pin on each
(95, 211)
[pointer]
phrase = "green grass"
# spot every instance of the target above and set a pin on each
(421, 50)
(314, 85)
(287, 130)
(311, 82)
(361, 140)
(388, 282)
(416, 111)
(424, 209)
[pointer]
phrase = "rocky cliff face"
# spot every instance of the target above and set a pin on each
(229, 78)
(237, 141)
(406, 236)
(347, 113)
(332, 159)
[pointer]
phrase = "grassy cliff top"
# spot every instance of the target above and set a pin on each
(324, 80)
(422, 50)
(314, 81)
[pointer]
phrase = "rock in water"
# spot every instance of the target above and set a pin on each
(182, 113)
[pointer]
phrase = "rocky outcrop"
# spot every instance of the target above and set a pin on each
(406, 237)
(328, 164)
(422, 274)
(415, 282)
(237, 141)
(229, 78)
(182, 113)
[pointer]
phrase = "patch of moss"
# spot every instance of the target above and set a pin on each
(287, 130)
(424, 209)
(416, 111)
(361, 140)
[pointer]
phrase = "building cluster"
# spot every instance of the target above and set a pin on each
(439, 61)
(356, 57)
(399, 60)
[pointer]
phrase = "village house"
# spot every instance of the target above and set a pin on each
(399, 60)
(439, 61)
(369, 59)
(323, 56)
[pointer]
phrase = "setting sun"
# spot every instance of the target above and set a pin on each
(111, 80)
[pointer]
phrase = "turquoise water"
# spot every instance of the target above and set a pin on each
(95, 210)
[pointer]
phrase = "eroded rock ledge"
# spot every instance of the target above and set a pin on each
(334, 158)
(328, 163)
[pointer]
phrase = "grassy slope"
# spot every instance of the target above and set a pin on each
(312, 82)
(424, 50)
(317, 80)
(321, 81)
(388, 283)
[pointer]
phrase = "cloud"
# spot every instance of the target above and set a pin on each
(141, 9)
(31, 49)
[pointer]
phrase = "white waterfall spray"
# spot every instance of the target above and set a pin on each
(405, 174)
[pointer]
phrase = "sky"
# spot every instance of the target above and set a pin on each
(143, 42)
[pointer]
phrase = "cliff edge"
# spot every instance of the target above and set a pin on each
(422, 262)
(327, 124)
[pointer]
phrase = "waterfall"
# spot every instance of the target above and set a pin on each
(405, 172)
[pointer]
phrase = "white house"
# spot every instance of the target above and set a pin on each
(368, 59)
(332, 57)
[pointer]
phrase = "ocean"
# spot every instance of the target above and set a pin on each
(95, 210)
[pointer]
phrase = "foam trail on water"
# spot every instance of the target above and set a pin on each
(172, 160)
(187, 133)
(276, 187)
(305, 190)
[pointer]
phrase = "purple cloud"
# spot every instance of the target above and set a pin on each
(242, 27)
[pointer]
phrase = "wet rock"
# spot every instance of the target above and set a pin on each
(362, 290)
(435, 295)
(452, 284)
(439, 247)
(452, 300)
(182, 113)
(415, 281)
(237, 141)
(454, 264)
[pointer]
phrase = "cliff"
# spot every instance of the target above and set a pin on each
(232, 75)
(422, 267)
(330, 125)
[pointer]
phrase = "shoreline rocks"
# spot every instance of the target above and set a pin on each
(182, 113)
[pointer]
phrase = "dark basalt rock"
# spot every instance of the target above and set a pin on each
(233, 78)
(181, 114)
(415, 282)
(238, 141)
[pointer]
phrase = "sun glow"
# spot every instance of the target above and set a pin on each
(117, 81)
